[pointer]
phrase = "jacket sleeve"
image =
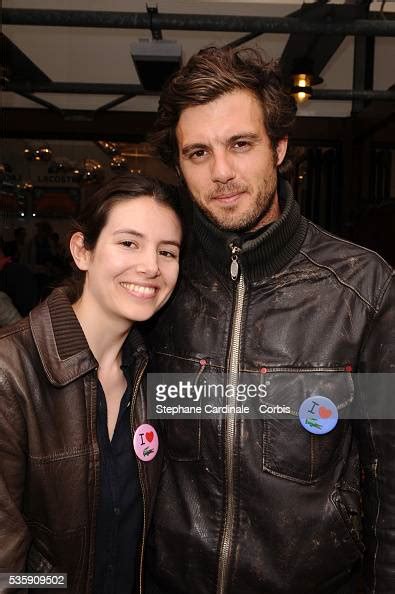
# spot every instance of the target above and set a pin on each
(377, 445)
(14, 534)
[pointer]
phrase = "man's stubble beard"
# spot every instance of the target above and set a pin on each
(252, 219)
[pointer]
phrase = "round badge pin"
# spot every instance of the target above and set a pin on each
(145, 442)
(318, 415)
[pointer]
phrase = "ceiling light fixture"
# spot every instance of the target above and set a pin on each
(303, 80)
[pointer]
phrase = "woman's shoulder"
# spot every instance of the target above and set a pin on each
(16, 346)
(14, 333)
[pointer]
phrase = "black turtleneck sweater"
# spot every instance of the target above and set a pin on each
(263, 252)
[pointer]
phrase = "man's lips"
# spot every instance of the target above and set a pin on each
(229, 198)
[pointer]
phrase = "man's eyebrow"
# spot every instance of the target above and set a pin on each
(244, 135)
(193, 147)
(200, 145)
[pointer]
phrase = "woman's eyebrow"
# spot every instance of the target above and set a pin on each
(170, 242)
(129, 231)
(138, 234)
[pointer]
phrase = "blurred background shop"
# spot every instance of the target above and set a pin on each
(79, 92)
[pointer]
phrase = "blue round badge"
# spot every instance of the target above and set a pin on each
(318, 415)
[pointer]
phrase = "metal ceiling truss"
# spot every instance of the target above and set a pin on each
(306, 25)
(374, 25)
(134, 90)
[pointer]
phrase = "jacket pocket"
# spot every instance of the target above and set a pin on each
(288, 449)
(37, 562)
(58, 552)
(347, 502)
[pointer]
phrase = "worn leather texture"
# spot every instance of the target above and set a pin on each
(303, 519)
(49, 465)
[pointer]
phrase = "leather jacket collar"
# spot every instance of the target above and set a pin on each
(260, 256)
(61, 343)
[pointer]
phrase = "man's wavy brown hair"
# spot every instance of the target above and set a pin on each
(210, 74)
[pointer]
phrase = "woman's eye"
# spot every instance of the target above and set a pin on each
(168, 254)
(128, 243)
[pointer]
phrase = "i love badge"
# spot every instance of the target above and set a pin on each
(318, 415)
(145, 442)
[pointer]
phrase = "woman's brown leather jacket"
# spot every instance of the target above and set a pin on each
(49, 456)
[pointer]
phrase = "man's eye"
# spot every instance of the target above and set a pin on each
(199, 154)
(242, 144)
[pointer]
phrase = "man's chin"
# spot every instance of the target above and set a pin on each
(238, 224)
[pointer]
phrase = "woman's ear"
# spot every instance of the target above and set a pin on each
(81, 255)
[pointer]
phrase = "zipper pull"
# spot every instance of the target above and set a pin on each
(234, 265)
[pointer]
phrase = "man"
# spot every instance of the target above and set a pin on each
(266, 506)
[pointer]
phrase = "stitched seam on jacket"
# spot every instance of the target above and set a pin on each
(4, 377)
(376, 552)
(21, 327)
(369, 327)
(324, 232)
(189, 359)
(60, 456)
(381, 296)
(353, 289)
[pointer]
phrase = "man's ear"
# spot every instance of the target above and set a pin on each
(281, 150)
(81, 255)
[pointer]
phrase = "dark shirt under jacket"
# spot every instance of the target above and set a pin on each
(119, 519)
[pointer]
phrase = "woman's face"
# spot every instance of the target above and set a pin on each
(133, 268)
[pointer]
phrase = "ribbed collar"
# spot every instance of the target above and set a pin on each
(61, 342)
(263, 255)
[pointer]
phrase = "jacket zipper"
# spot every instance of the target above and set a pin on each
(134, 397)
(230, 424)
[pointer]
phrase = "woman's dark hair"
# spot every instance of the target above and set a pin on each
(208, 75)
(94, 215)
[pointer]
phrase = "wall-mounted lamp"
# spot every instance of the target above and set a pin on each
(301, 89)
(302, 81)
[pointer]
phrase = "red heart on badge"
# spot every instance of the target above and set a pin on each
(149, 436)
(324, 412)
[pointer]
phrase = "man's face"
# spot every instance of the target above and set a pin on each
(228, 162)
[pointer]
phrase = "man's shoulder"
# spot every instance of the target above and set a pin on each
(352, 265)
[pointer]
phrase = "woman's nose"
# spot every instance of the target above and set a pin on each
(148, 264)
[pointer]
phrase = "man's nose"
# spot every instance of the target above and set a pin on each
(148, 264)
(222, 167)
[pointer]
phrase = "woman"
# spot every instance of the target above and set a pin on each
(76, 484)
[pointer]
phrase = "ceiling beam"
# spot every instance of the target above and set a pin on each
(77, 88)
(134, 90)
(196, 22)
(77, 124)
(133, 126)
(17, 65)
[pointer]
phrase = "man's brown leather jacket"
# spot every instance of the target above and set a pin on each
(263, 506)
(49, 456)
